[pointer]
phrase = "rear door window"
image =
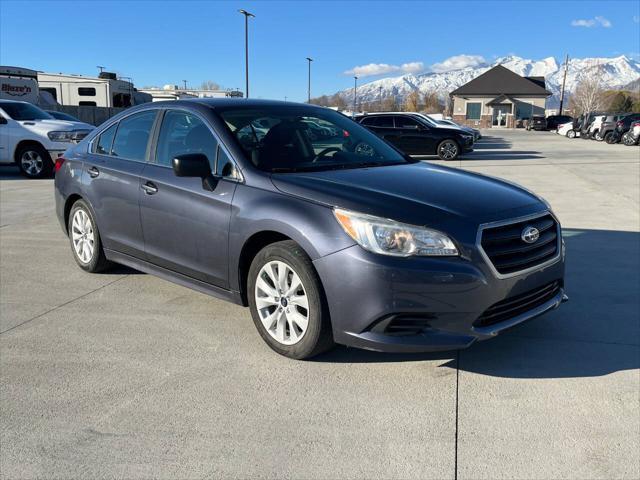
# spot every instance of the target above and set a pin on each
(132, 137)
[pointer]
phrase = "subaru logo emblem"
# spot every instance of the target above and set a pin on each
(530, 234)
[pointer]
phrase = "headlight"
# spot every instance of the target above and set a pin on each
(68, 135)
(380, 235)
(60, 136)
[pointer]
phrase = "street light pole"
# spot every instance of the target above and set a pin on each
(309, 59)
(355, 94)
(185, 84)
(246, 49)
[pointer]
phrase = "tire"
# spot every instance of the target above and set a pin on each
(279, 319)
(628, 140)
(82, 228)
(609, 138)
(34, 161)
(597, 137)
(571, 134)
(448, 150)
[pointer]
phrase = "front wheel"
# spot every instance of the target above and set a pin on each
(571, 134)
(287, 301)
(598, 137)
(610, 138)
(448, 150)
(34, 161)
(86, 244)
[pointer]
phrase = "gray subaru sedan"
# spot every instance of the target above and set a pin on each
(332, 238)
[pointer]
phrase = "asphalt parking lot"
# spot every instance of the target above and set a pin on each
(126, 375)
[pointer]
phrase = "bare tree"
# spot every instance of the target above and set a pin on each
(432, 103)
(209, 85)
(336, 100)
(588, 95)
(412, 102)
(389, 104)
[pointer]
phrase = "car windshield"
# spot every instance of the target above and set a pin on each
(24, 111)
(298, 138)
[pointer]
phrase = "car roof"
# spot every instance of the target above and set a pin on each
(235, 102)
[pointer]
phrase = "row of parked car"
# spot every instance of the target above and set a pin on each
(33, 138)
(603, 127)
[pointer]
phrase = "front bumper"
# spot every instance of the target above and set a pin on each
(451, 294)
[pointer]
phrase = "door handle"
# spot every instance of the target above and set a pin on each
(149, 188)
(93, 172)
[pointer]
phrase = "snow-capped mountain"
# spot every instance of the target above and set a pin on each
(615, 73)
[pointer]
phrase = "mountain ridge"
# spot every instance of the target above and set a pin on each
(616, 72)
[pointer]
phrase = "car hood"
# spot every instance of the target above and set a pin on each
(55, 125)
(413, 193)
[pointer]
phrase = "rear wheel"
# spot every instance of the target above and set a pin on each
(609, 138)
(448, 150)
(287, 301)
(628, 140)
(34, 161)
(598, 137)
(571, 134)
(85, 239)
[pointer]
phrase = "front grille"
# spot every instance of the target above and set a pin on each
(509, 253)
(517, 305)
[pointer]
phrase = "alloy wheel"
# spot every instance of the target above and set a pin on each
(82, 236)
(282, 302)
(32, 163)
(448, 150)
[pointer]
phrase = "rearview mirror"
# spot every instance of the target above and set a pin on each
(191, 165)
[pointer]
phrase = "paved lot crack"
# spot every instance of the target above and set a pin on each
(63, 305)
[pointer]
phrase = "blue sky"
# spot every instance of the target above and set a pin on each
(164, 42)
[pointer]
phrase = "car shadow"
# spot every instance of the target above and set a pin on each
(501, 155)
(596, 333)
(12, 172)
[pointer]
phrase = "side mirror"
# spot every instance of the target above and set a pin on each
(191, 165)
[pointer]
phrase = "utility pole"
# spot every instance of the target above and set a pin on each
(564, 79)
(355, 94)
(185, 84)
(380, 97)
(246, 49)
(309, 59)
(100, 67)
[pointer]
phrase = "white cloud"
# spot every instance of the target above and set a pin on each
(373, 69)
(598, 21)
(457, 62)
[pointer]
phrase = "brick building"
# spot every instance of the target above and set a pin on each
(499, 98)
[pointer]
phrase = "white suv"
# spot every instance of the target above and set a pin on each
(33, 139)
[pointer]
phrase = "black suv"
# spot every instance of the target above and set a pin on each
(537, 122)
(553, 121)
(414, 136)
(608, 127)
(624, 124)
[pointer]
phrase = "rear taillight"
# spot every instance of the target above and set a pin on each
(58, 165)
(619, 123)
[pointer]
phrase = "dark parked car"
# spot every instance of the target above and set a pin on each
(624, 124)
(415, 136)
(347, 241)
(607, 128)
(537, 122)
(554, 120)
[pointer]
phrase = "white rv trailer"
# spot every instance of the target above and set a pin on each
(17, 83)
(105, 90)
(173, 92)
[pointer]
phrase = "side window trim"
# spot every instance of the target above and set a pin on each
(239, 178)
